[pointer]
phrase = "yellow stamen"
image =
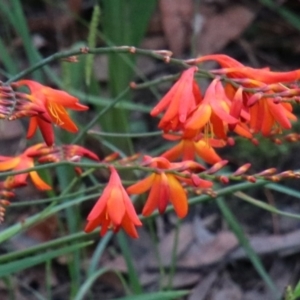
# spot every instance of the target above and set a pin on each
(54, 109)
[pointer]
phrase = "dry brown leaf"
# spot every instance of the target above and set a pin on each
(183, 280)
(45, 230)
(262, 245)
(211, 252)
(221, 28)
(118, 264)
(176, 18)
(185, 239)
(200, 291)
(227, 289)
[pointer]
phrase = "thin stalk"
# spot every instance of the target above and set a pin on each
(174, 256)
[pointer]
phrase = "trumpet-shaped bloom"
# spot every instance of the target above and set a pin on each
(212, 113)
(22, 162)
(54, 102)
(188, 148)
(180, 100)
(234, 69)
(113, 209)
(165, 186)
(265, 115)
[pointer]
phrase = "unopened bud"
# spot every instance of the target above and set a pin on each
(292, 137)
(4, 202)
(224, 179)
(254, 98)
(242, 170)
(230, 141)
(71, 59)
(132, 85)
(84, 50)
(267, 172)
(250, 179)
(274, 178)
(276, 141)
(287, 174)
(111, 157)
(216, 167)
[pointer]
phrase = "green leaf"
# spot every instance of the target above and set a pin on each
(124, 23)
(133, 276)
(92, 43)
(254, 258)
(157, 296)
(15, 266)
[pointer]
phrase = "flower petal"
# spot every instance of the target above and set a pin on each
(39, 182)
(141, 186)
(177, 196)
(206, 152)
(115, 206)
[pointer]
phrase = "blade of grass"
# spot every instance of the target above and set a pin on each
(285, 13)
(92, 42)
(170, 295)
(133, 276)
(94, 261)
(174, 256)
(6, 59)
(65, 175)
(265, 206)
(254, 258)
(15, 266)
(285, 190)
(14, 13)
(11, 256)
(123, 24)
(85, 287)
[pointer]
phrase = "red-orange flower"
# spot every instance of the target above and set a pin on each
(212, 113)
(165, 187)
(188, 147)
(54, 102)
(180, 100)
(22, 162)
(234, 69)
(265, 115)
(114, 209)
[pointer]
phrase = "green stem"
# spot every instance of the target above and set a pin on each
(132, 135)
(99, 114)
(103, 50)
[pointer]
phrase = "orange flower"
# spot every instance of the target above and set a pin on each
(189, 147)
(22, 162)
(178, 102)
(54, 102)
(234, 69)
(265, 115)
(212, 113)
(165, 187)
(114, 209)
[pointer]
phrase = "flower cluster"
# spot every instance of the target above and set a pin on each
(239, 101)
